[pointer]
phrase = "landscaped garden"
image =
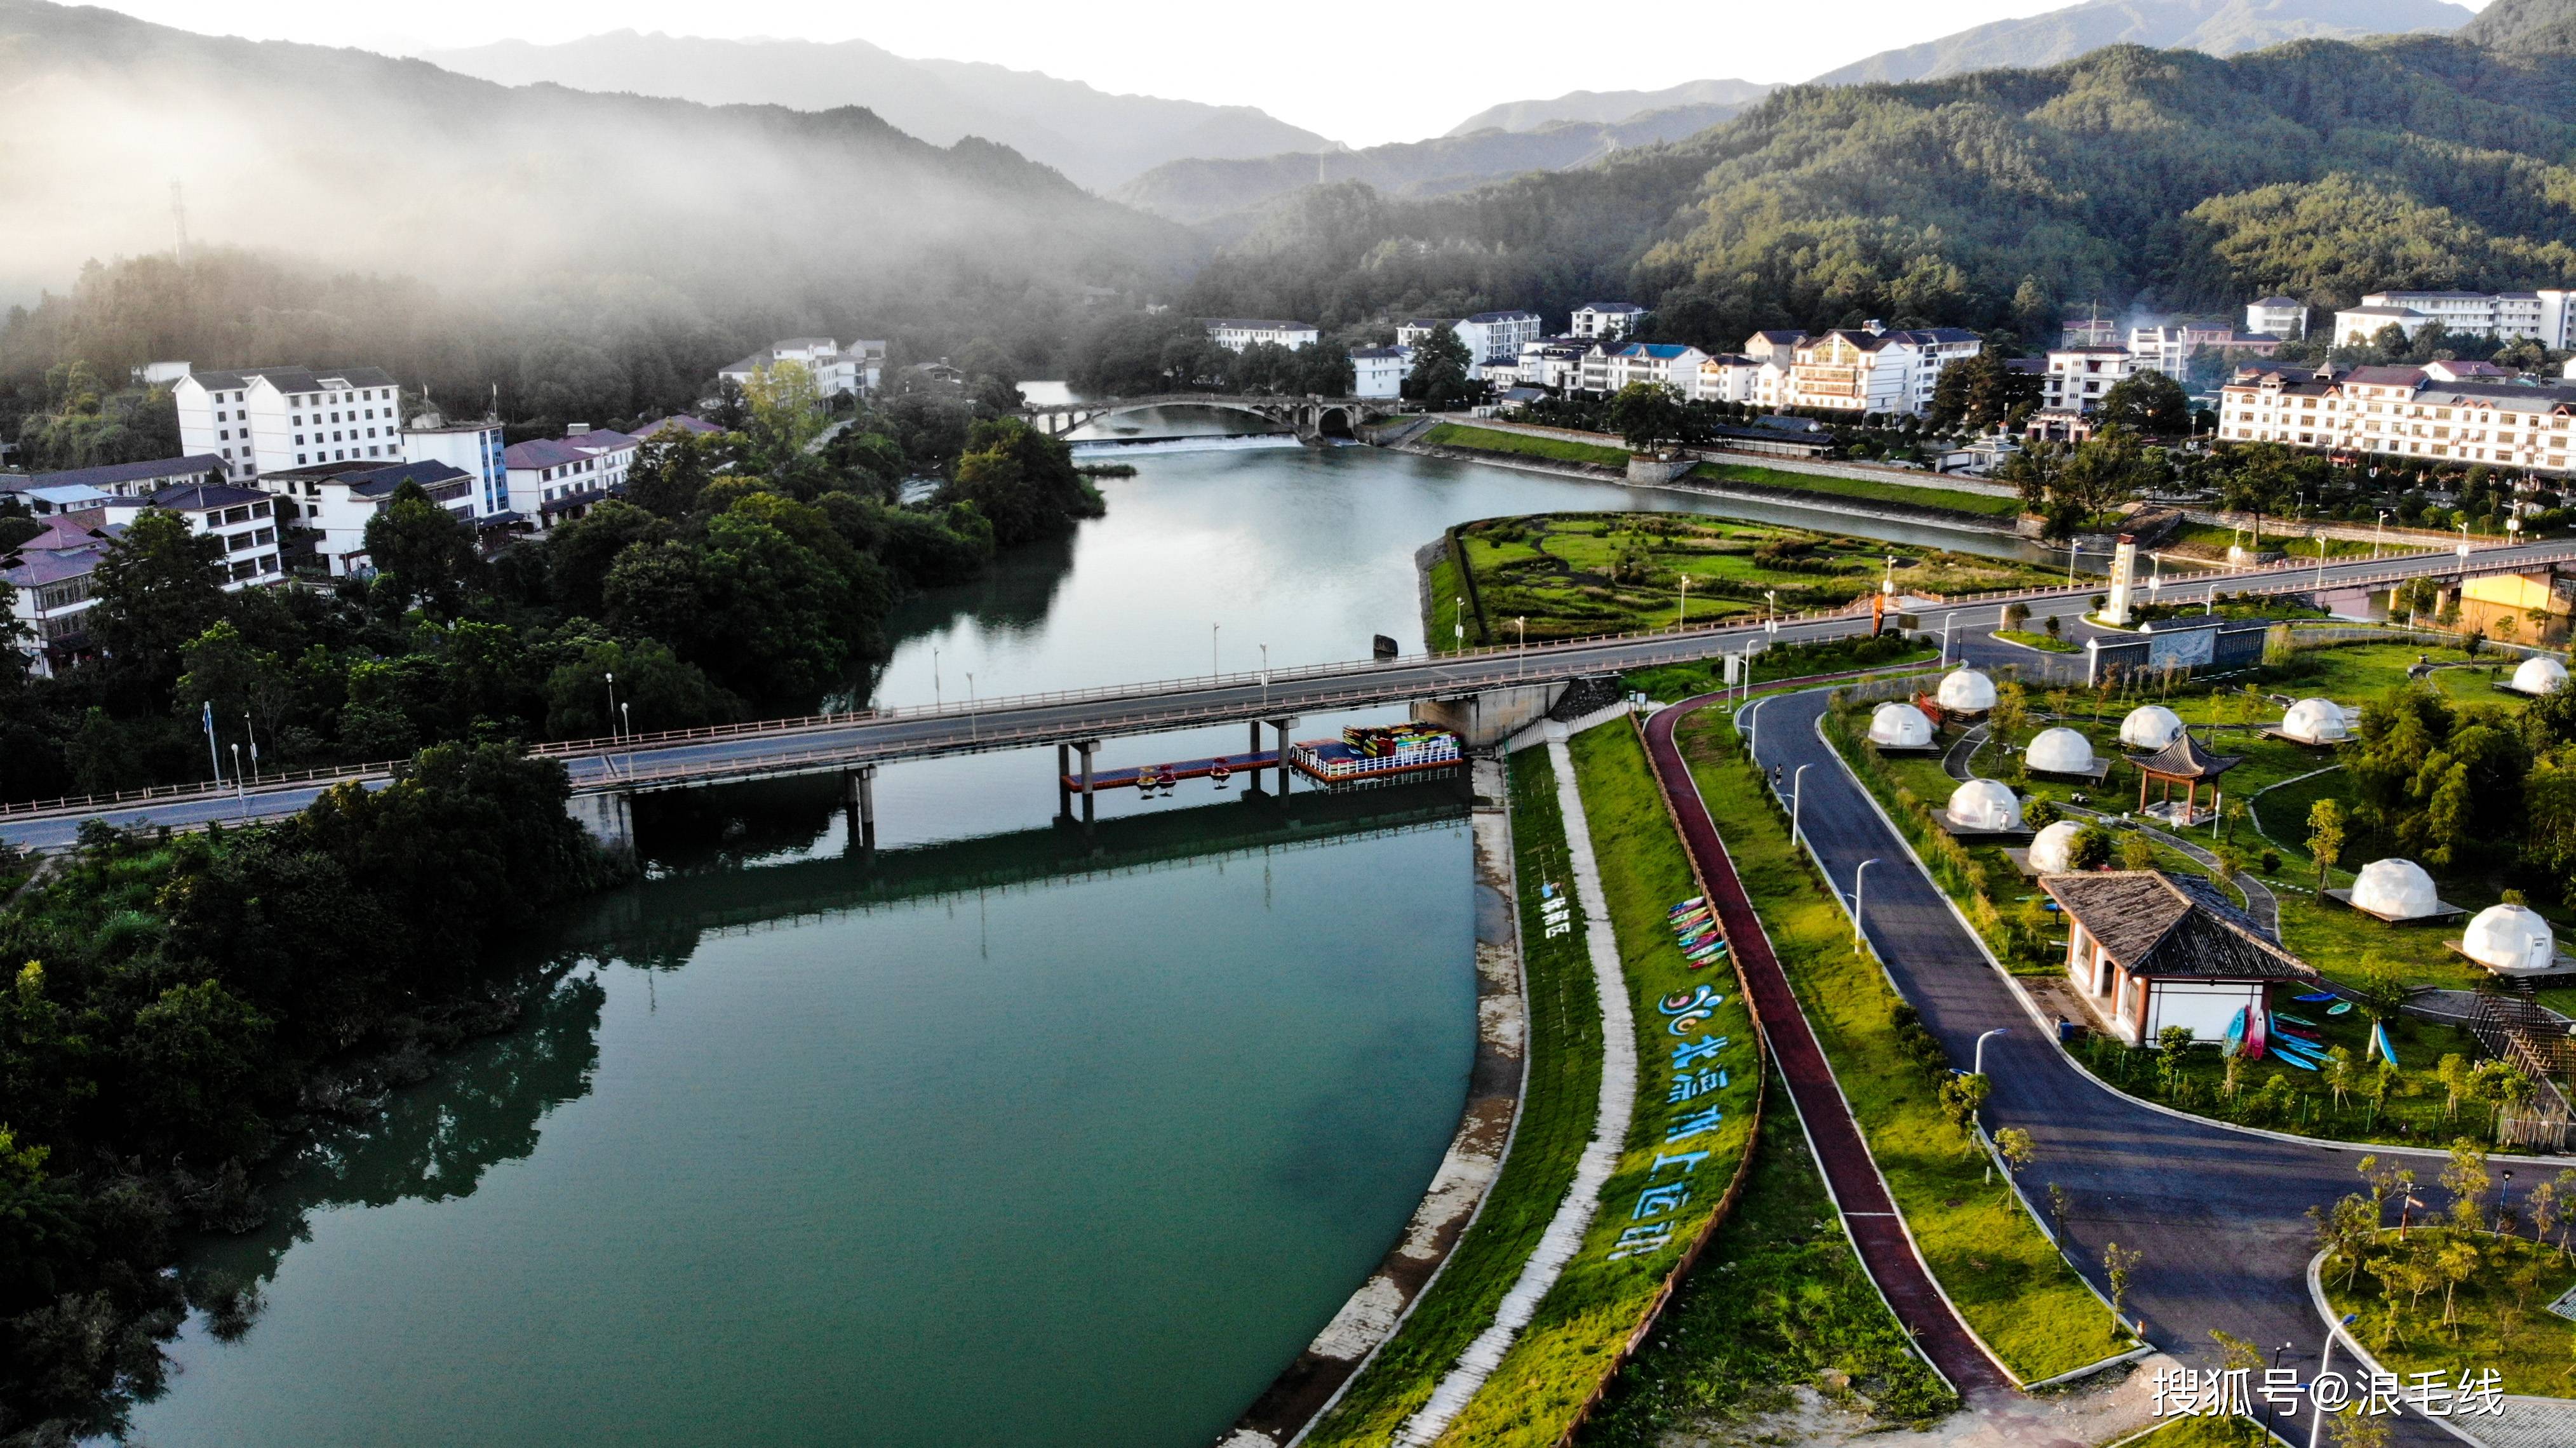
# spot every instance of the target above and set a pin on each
(1862, 490)
(1564, 575)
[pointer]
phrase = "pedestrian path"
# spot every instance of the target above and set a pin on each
(1564, 1234)
(1869, 1214)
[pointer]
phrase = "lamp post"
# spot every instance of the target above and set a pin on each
(2378, 532)
(2074, 547)
(1213, 630)
(237, 783)
(934, 679)
(1860, 883)
(1797, 788)
(1521, 625)
(970, 707)
(626, 718)
(1681, 615)
(253, 735)
(2267, 1402)
(1945, 636)
(1981, 1047)
(2325, 1360)
(1265, 680)
(612, 705)
(1771, 612)
(1459, 621)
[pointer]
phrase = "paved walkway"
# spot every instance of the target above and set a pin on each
(1564, 1234)
(1869, 1214)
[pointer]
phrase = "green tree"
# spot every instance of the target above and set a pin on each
(580, 553)
(159, 586)
(425, 551)
(1439, 378)
(1647, 414)
(672, 468)
(238, 681)
(193, 1057)
(785, 411)
(2147, 403)
(1023, 481)
(2137, 852)
(2325, 837)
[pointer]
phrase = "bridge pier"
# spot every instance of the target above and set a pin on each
(1486, 719)
(1089, 747)
(861, 806)
(610, 818)
(1279, 728)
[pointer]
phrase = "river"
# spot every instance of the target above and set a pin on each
(1003, 1137)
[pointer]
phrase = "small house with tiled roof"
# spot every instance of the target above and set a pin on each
(2148, 950)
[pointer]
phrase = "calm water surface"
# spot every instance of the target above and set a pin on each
(990, 1140)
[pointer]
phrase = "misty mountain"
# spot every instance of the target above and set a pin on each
(2217, 27)
(1095, 138)
(355, 160)
(2525, 26)
(1226, 194)
(1608, 106)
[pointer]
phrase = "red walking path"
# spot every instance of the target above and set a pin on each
(1869, 1214)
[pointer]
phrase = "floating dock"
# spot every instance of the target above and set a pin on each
(1155, 776)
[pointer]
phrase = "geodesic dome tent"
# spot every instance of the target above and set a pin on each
(2510, 939)
(2539, 674)
(2060, 751)
(1966, 691)
(2315, 721)
(1899, 726)
(2150, 727)
(2050, 851)
(1985, 805)
(2395, 890)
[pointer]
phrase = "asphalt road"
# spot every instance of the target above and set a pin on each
(2219, 1215)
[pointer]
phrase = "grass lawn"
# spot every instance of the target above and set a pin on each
(1777, 1300)
(1782, 661)
(1572, 1343)
(1866, 490)
(1556, 1113)
(2211, 540)
(2502, 1320)
(2197, 1432)
(1521, 444)
(1570, 574)
(1448, 594)
(2028, 639)
(2006, 1277)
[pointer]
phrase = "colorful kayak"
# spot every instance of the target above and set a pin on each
(2293, 1020)
(2340, 1008)
(2287, 1059)
(2254, 1036)
(1688, 905)
(2379, 1043)
(2236, 1031)
(2292, 1046)
(2315, 997)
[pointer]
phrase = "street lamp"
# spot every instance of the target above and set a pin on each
(612, 705)
(1771, 612)
(1946, 620)
(1860, 883)
(934, 679)
(2378, 531)
(970, 706)
(1981, 1047)
(1681, 615)
(253, 735)
(237, 783)
(1521, 625)
(1212, 633)
(1459, 620)
(1797, 788)
(1265, 680)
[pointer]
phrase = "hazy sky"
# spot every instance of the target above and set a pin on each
(1361, 74)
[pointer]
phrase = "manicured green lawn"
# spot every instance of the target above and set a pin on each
(2029, 639)
(1570, 574)
(1447, 595)
(1777, 1300)
(1867, 490)
(1556, 1114)
(2213, 540)
(2501, 1316)
(1572, 1342)
(2008, 1280)
(1521, 444)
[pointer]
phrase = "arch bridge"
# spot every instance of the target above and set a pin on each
(1310, 417)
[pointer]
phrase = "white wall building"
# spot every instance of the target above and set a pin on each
(1729, 377)
(2168, 348)
(1236, 333)
(243, 519)
(552, 479)
(1380, 371)
(1497, 337)
(1666, 364)
(335, 500)
(2078, 376)
(2401, 412)
(260, 420)
(474, 448)
(54, 575)
(124, 480)
(1414, 332)
(1874, 370)
(1554, 362)
(2283, 317)
(2548, 316)
(852, 371)
(1606, 319)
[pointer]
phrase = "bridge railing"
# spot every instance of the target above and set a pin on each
(264, 784)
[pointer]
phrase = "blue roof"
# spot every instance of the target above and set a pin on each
(1666, 351)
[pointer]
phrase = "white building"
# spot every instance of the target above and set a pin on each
(2404, 412)
(2078, 376)
(260, 420)
(1606, 320)
(54, 575)
(2283, 317)
(243, 519)
(1729, 377)
(838, 371)
(123, 480)
(1414, 332)
(1665, 364)
(552, 479)
(335, 500)
(1236, 333)
(473, 448)
(1872, 369)
(1497, 337)
(2357, 325)
(2548, 316)
(1555, 363)
(1380, 371)
(2168, 348)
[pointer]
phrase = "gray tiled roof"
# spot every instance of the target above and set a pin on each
(2155, 924)
(296, 379)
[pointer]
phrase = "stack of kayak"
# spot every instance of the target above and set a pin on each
(2297, 1040)
(1695, 929)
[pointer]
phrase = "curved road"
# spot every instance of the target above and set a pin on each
(2220, 1215)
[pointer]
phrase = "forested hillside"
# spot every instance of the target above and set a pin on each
(1993, 200)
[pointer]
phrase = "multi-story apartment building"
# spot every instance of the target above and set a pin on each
(261, 420)
(2401, 412)
(2093, 331)
(1729, 377)
(126, 480)
(1236, 333)
(474, 448)
(1380, 371)
(852, 371)
(54, 576)
(2548, 316)
(1497, 337)
(1872, 369)
(242, 519)
(1555, 363)
(334, 501)
(1666, 364)
(2078, 376)
(552, 479)
(1415, 331)
(1606, 320)
(2283, 317)
(2168, 347)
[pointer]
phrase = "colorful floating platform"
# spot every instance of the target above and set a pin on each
(1362, 756)
(1221, 768)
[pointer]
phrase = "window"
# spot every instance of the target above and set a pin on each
(299, 457)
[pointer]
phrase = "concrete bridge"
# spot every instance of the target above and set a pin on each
(1484, 694)
(1310, 417)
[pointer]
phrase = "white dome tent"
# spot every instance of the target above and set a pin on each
(1899, 726)
(1966, 691)
(2059, 751)
(2150, 727)
(2510, 940)
(2315, 721)
(1984, 806)
(2395, 890)
(2051, 852)
(2539, 674)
